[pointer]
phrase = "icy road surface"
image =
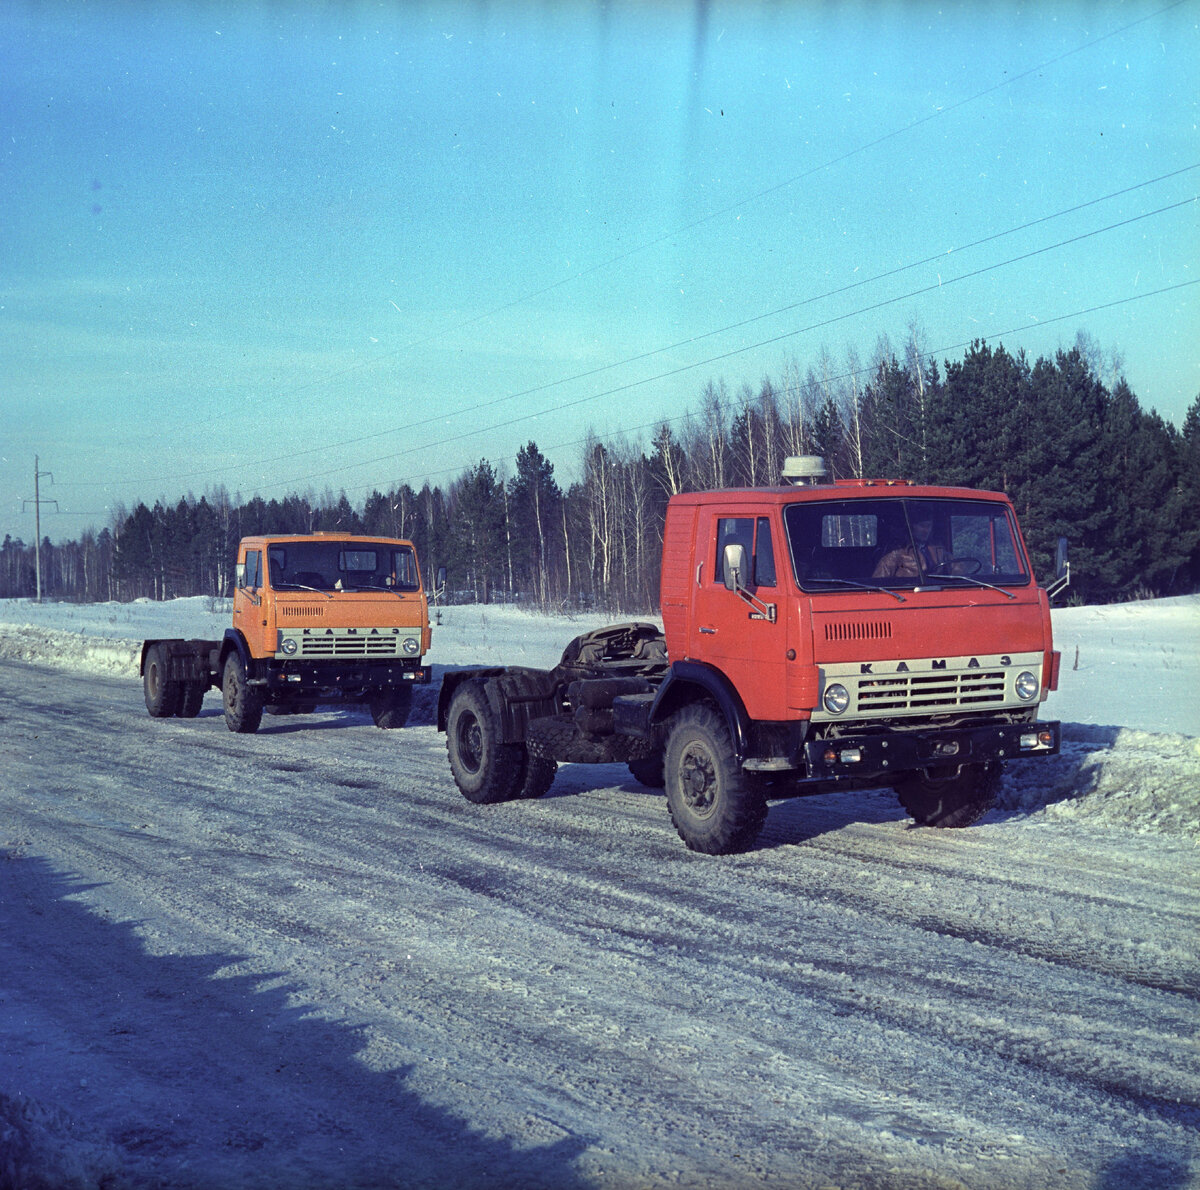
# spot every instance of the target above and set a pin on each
(301, 959)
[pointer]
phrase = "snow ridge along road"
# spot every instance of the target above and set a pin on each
(301, 958)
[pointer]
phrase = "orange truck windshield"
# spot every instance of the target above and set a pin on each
(341, 566)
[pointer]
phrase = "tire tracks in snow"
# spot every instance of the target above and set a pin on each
(851, 996)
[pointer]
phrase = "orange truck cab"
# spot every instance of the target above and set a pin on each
(317, 619)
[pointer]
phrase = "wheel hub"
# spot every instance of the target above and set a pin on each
(470, 740)
(699, 781)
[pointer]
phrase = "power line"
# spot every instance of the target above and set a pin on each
(945, 254)
(715, 214)
(722, 356)
(927, 356)
(683, 229)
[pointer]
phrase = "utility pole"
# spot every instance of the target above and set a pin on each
(37, 503)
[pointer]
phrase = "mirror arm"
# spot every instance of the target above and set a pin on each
(764, 610)
(768, 611)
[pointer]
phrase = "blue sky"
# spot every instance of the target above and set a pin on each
(299, 247)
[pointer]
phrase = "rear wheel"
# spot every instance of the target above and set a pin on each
(648, 770)
(484, 769)
(162, 695)
(191, 699)
(713, 805)
(391, 708)
(954, 798)
(537, 777)
(243, 702)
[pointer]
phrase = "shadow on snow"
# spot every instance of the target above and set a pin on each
(117, 1081)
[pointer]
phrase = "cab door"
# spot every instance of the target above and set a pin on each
(731, 632)
(248, 608)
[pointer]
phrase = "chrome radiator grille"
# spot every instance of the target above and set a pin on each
(927, 685)
(329, 643)
(928, 692)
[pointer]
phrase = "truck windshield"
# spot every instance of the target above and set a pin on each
(900, 542)
(341, 566)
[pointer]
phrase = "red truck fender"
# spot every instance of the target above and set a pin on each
(695, 681)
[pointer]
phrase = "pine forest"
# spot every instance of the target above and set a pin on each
(1066, 440)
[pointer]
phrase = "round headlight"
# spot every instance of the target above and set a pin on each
(837, 698)
(1027, 685)
(411, 645)
(288, 646)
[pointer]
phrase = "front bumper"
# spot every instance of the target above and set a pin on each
(886, 754)
(342, 679)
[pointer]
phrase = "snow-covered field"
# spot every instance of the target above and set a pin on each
(301, 959)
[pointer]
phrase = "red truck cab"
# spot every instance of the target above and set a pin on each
(862, 628)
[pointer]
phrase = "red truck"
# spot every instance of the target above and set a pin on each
(816, 636)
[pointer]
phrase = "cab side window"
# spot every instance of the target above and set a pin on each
(733, 531)
(764, 554)
(254, 569)
(760, 551)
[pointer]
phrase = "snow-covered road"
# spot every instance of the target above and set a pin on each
(301, 959)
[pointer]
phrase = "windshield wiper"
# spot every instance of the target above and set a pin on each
(845, 582)
(970, 578)
(303, 587)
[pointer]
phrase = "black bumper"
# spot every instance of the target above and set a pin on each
(882, 755)
(341, 679)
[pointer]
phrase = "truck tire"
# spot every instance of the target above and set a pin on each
(714, 806)
(648, 771)
(243, 702)
(484, 769)
(162, 695)
(191, 699)
(956, 799)
(557, 737)
(537, 777)
(392, 708)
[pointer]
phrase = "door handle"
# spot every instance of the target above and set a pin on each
(705, 631)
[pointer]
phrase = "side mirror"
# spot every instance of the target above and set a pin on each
(439, 586)
(239, 575)
(735, 567)
(1062, 569)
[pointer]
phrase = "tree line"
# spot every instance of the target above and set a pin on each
(1079, 457)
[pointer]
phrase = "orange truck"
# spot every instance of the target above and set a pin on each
(816, 636)
(317, 619)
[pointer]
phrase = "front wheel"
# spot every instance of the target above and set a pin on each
(713, 805)
(484, 769)
(243, 702)
(162, 695)
(955, 798)
(391, 708)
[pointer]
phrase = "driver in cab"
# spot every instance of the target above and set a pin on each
(920, 556)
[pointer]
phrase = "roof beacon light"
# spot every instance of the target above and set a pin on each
(803, 470)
